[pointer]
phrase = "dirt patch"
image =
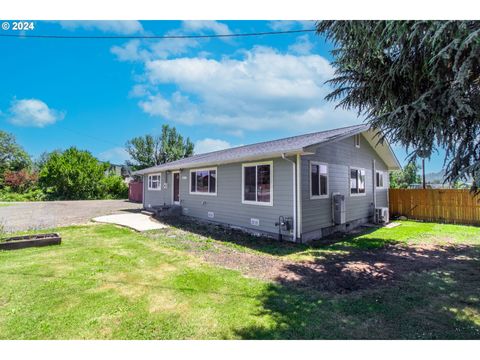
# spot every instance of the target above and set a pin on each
(341, 273)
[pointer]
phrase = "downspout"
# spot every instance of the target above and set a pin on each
(374, 169)
(294, 197)
(144, 184)
(299, 197)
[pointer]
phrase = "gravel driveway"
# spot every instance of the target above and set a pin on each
(48, 214)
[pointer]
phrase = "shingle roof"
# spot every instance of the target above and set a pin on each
(268, 148)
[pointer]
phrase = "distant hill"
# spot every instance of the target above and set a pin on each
(435, 177)
(438, 177)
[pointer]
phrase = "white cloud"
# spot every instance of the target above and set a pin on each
(123, 27)
(156, 105)
(209, 145)
(136, 50)
(33, 112)
(302, 45)
(263, 90)
(206, 25)
(285, 25)
(116, 155)
(130, 51)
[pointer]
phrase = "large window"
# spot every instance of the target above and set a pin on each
(203, 181)
(357, 181)
(380, 179)
(318, 180)
(154, 182)
(257, 183)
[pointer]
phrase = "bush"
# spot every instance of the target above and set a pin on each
(73, 175)
(20, 181)
(113, 187)
(7, 194)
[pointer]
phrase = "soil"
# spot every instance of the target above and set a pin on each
(339, 272)
(360, 269)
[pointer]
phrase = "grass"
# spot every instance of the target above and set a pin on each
(4, 204)
(106, 282)
(183, 233)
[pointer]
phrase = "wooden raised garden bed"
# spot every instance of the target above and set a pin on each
(21, 242)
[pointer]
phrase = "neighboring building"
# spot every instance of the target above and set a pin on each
(310, 184)
(120, 170)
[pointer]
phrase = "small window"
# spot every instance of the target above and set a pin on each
(257, 184)
(203, 181)
(380, 179)
(357, 140)
(357, 181)
(154, 182)
(318, 180)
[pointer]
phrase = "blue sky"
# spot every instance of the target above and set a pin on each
(97, 94)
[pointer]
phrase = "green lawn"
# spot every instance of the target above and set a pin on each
(106, 282)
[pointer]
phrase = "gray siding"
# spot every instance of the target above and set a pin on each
(227, 205)
(156, 197)
(340, 155)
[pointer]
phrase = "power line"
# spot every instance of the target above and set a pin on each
(158, 36)
(89, 136)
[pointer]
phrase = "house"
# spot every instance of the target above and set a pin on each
(299, 188)
(120, 170)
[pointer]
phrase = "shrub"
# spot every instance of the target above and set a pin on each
(113, 187)
(73, 175)
(7, 194)
(20, 181)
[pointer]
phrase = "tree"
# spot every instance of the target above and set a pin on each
(72, 175)
(148, 150)
(401, 179)
(41, 160)
(12, 155)
(417, 83)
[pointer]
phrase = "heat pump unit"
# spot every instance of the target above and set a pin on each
(338, 206)
(382, 215)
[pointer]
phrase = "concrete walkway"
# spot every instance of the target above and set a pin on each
(139, 222)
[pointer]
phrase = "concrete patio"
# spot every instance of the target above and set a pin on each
(138, 222)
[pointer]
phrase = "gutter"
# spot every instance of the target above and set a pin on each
(294, 195)
(188, 165)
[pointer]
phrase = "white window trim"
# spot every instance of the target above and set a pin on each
(249, 202)
(384, 173)
(159, 182)
(203, 193)
(357, 144)
(314, 197)
(349, 179)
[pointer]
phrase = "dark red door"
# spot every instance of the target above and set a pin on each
(176, 187)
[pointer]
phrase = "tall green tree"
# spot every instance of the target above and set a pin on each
(417, 82)
(148, 150)
(73, 175)
(12, 155)
(401, 179)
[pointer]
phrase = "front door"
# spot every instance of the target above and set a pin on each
(176, 188)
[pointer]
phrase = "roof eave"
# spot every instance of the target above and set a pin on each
(264, 156)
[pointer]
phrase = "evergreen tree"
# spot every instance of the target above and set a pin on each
(417, 82)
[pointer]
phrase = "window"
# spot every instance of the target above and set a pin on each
(203, 181)
(257, 183)
(357, 181)
(380, 179)
(318, 180)
(357, 140)
(154, 182)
